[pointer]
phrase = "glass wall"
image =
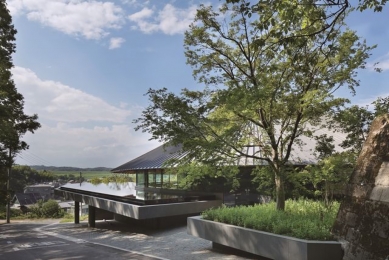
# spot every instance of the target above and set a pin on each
(156, 179)
(170, 180)
(151, 176)
(140, 179)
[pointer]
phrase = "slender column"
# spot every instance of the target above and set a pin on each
(76, 212)
(91, 216)
(146, 178)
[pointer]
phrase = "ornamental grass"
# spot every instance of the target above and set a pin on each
(305, 219)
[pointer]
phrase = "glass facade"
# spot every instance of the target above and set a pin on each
(151, 179)
(156, 179)
(140, 179)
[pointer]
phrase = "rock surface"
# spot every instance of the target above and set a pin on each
(363, 218)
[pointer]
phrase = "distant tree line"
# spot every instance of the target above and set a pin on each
(67, 168)
(117, 178)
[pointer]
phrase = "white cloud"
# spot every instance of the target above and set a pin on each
(115, 43)
(58, 102)
(89, 19)
(173, 20)
(141, 15)
(383, 63)
(136, 3)
(123, 104)
(66, 145)
(170, 20)
(78, 129)
(140, 18)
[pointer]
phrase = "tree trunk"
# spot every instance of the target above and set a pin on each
(8, 210)
(280, 192)
(326, 194)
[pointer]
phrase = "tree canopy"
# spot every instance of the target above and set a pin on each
(14, 123)
(259, 91)
(332, 13)
(355, 121)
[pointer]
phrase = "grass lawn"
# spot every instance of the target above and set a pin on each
(68, 218)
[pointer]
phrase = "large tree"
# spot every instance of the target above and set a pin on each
(14, 123)
(260, 91)
(333, 12)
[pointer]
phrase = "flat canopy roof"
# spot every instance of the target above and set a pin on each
(117, 189)
(127, 206)
(129, 193)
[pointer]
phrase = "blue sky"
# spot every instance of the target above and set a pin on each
(84, 66)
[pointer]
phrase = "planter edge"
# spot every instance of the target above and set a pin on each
(261, 243)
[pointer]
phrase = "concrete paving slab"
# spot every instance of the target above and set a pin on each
(23, 241)
(167, 243)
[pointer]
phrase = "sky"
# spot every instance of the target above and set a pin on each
(84, 67)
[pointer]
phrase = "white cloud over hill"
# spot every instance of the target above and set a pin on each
(56, 101)
(78, 129)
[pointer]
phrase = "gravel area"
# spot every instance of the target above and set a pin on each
(170, 243)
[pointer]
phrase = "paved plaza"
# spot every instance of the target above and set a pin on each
(110, 239)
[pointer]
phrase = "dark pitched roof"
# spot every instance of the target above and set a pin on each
(154, 159)
(299, 156)
(27, 198)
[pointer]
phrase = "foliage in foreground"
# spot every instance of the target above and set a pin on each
(14, 213)
(48, 209)
(204, 177)
(305, 219)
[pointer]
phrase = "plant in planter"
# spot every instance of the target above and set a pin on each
(302, 231)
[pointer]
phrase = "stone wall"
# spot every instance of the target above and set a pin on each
(363, 219)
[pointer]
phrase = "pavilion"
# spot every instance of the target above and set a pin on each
(155, 196)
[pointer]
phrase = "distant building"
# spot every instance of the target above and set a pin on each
(25, 200)
(46, 191)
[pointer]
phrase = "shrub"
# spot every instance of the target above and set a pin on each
(49, 209)
(305, 219)
(14, 213)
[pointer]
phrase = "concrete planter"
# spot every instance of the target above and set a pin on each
(262, 243)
